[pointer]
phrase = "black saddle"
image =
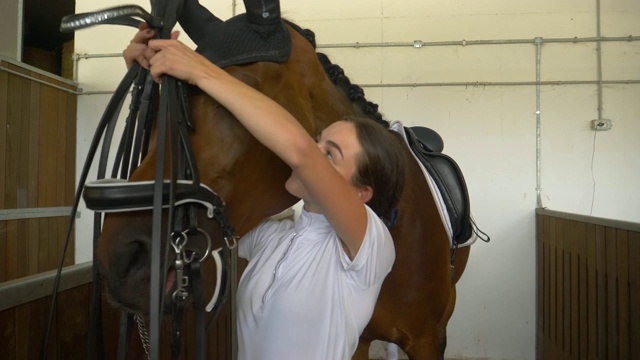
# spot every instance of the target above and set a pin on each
(427, 145)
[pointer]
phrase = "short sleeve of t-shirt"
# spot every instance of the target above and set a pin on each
(376, 254)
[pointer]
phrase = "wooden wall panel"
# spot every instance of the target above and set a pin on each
(634, 295)
(588, 289)
(7, 333)
(37, 158)
(68, 340)
(4, 89)
(4, 86)
(3, 250)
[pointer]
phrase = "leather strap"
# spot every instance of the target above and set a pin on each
(126, 323)
(176, 328)
(198, 305)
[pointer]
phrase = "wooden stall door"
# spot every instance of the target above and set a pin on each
(37, 167)
(588, 288)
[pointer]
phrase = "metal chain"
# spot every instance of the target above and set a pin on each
(144, 334)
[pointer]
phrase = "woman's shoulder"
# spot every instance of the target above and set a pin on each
(260, 236)
(375, 224)
(270, 226)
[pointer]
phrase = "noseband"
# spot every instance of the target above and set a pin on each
(180, 195)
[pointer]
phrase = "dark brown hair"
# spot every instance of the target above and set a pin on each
(381, 165)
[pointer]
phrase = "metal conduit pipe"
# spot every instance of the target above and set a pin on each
(419, 44)
(538, 126)
(416, 44)
(599, 62)
(501, 83)
(461, 84)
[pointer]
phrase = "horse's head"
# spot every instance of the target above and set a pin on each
(244, 173)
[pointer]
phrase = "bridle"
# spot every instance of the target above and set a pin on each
(181, 194)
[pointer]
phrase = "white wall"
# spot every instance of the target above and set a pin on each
(11, 28)
(489, 130)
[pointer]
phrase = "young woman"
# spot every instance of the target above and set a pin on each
(310, 286)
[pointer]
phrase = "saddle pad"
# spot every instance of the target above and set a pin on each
(237, 41)
(398, 127)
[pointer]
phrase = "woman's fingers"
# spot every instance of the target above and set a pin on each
(137, 49)
(143, 26)
(143, 36)
(175, 59)
(137, 52)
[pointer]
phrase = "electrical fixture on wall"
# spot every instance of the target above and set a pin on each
(601, 124)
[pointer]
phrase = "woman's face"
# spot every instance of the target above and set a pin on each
(339, 142)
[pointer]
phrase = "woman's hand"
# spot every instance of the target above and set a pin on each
(138, 51)
(174, 58)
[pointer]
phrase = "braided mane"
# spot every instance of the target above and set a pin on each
(336, 74)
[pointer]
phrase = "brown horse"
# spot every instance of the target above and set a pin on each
(418, 296)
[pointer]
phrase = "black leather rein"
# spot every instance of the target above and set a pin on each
(181, 194)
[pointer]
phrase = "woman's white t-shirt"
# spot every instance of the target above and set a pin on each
(301, 297)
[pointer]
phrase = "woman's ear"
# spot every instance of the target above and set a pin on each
(365, 193)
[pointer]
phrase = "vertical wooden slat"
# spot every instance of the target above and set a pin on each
(634, 295)
(11, 148)
(4, 84)
(592, 292)
(602, 291)
(572, 286)
(4, 93)
(73, 313)
(46, 181)
(11, 259)
(8, 333)
(33, 175)
(60, 173)
(563, 300)
(52, 146)
(22, 248)
(623, 293)
(22, 322)
(70, 168)
(553, 279)
(612, 294)
(39, 315)
(540, 285)
(545, 353)
(22, 176)
(3, 250)
(583, 338)
(43, 244)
